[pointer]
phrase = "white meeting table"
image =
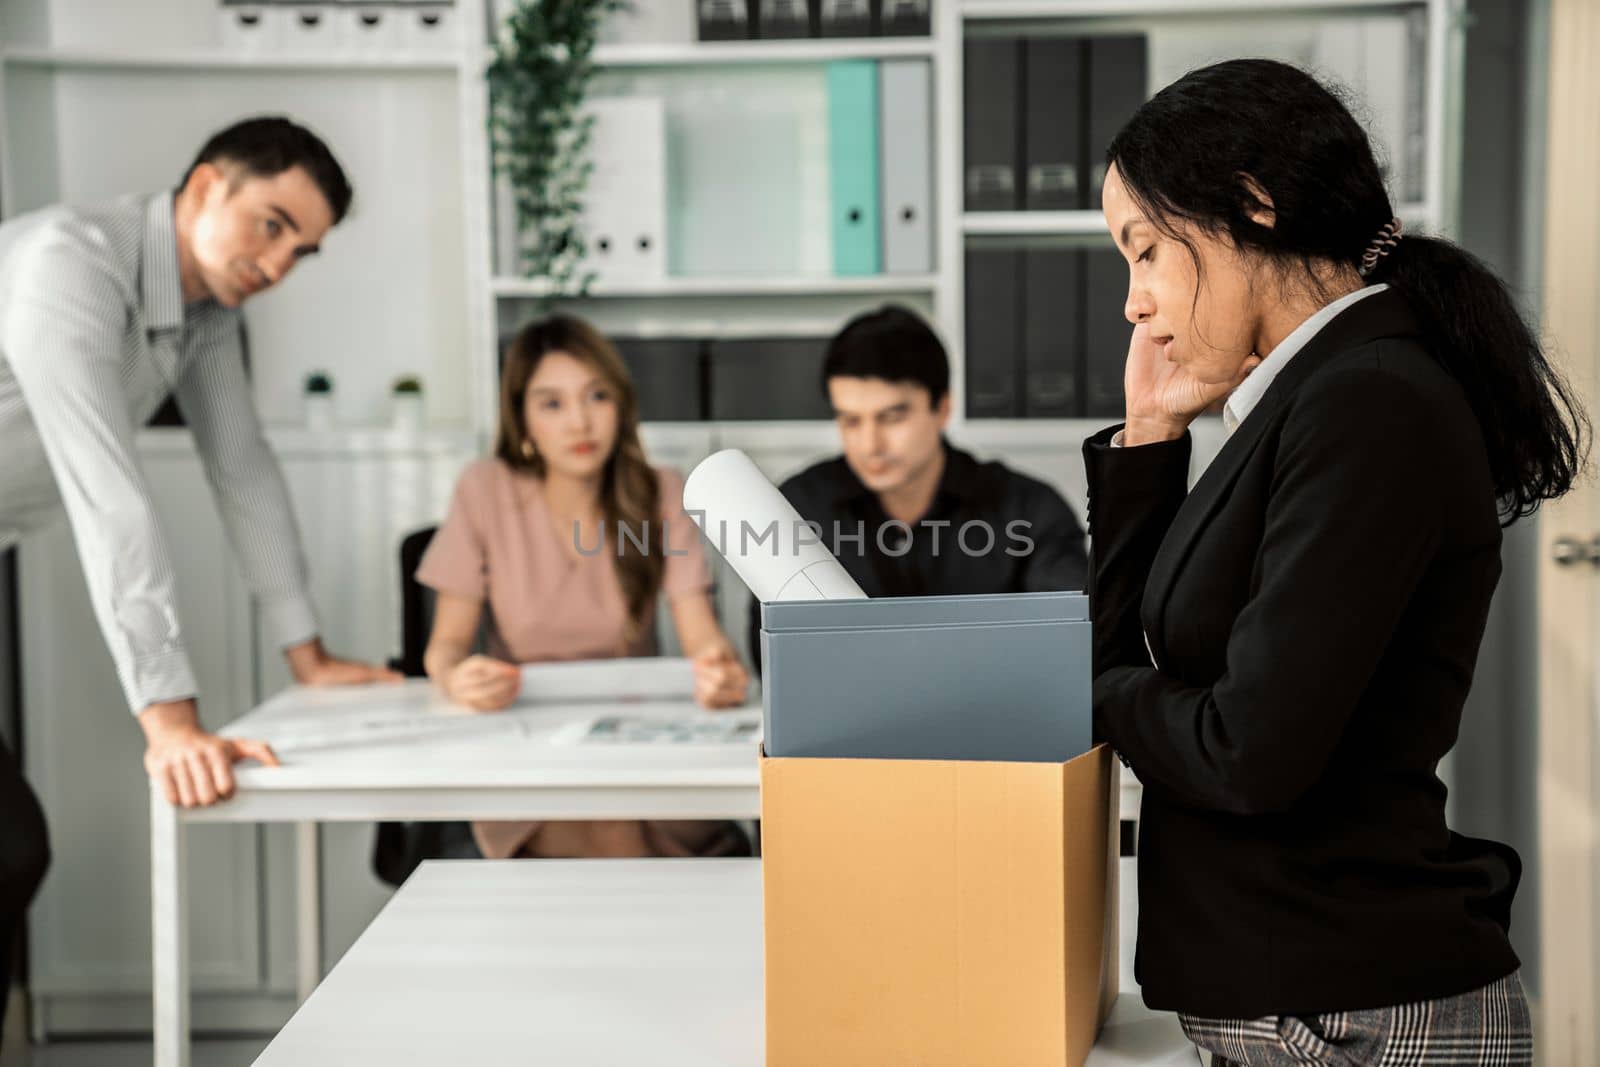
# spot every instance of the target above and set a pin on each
(359, 755)
(585, 963)
(519, 764)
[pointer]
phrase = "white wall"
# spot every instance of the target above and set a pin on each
(398, 257)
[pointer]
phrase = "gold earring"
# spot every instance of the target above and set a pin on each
(528, 451)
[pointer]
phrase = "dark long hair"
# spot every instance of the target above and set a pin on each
(629, 493)
(1187, 158)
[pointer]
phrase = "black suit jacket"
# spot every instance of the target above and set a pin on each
(1313, 611)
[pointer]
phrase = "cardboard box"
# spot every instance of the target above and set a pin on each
(933, 912)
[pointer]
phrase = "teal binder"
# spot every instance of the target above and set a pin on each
(853, 164)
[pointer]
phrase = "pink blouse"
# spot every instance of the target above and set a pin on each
(499, 544)
(547, 602)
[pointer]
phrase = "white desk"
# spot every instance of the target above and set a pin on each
(582, 963)
(518, 764)
(514, 765)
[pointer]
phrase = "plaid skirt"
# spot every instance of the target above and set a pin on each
(1487, 1027)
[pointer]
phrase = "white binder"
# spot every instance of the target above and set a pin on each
(906, 159)
(625, 204)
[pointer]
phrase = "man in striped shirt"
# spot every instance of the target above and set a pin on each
(104, 312)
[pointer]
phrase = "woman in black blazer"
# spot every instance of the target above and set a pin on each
(1282, 654)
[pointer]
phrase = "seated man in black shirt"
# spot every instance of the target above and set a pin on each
(906, 513)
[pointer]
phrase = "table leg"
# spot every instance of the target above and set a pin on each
(308, 908)
(169, 933)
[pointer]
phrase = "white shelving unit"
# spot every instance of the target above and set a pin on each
(756, 285)
(789, 300)
(225, 61)
(717, 53)
(1093, 224)
(1436, 212)
(1040, 10)
(743, 305)
(944, 288)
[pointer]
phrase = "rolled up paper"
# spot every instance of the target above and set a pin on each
(774, 551)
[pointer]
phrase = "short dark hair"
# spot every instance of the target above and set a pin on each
(893, 344)
(266, 146)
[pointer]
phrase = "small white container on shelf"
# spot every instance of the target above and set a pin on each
(319, 411)
(312, 28)
(432, 28)
(657, 22)
(317, 395)
(251, 29)
(407, 411)
(371, 29)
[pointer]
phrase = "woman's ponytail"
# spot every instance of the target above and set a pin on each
(1534, 428)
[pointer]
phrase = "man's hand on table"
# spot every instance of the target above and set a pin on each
(194, 768)
(311, 664)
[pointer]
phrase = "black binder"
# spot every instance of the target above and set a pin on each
(1118, 69)
(1106, 331)
(788, 18)
(994, 318)
(1052, 334)
(990, 128)
(668, 376)
(847, 18)
(906, 18)
(1054, 178)
(767, 378)
(726, 20)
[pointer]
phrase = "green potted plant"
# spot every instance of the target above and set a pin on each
(539, 135)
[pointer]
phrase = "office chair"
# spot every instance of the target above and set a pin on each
(400, 847)
(416, 605)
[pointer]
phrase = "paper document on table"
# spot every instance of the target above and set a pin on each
(343, 731)
(613, 681)
(335, 717)
(706, 728)
(360, 715)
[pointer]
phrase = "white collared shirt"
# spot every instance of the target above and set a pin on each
(1243, 400)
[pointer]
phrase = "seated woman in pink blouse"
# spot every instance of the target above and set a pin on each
(533, 537)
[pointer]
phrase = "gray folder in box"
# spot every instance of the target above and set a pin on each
(1002, 677)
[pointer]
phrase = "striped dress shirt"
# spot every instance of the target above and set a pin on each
(94, 334)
